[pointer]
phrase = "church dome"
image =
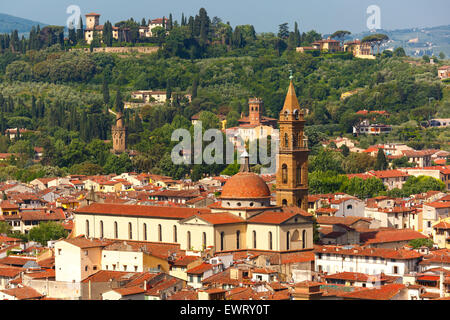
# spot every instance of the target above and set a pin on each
(245, 185)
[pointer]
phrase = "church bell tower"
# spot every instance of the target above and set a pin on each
(292, 173)
(119, 134)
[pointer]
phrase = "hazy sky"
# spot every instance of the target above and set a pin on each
(325, 16)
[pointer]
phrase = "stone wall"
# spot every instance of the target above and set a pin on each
(121, 49)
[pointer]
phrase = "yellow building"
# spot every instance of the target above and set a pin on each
(8, 208)
(441, 233)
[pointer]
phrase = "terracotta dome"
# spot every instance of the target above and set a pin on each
(245, 185)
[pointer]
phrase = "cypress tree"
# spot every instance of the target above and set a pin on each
(194, 87)
(297, 35)
(170, 22)
(33, 107)
(381, 163)
(80, 31)
(72, 37)
(137, 123)
(119, 102)
(106, 97)
(168, 91)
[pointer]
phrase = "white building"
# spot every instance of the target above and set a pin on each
(372, 261)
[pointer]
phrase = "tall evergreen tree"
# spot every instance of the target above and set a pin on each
(381, 163)
(119, 101)
(297, 35)
(106, 97)
(80, 31)
(170, 23)
(72, 37)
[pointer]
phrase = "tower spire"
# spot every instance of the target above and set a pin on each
(245, 165)
(291, 101)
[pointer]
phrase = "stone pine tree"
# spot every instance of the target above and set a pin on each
(381, 163)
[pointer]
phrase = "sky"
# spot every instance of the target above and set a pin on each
(324, 16)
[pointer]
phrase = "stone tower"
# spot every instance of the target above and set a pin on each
(119, 134)
(255, 111)
(292, 173)
(92, 20)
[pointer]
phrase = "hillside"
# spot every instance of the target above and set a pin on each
(10, 23)
(417, 41)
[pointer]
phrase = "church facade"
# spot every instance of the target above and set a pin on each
(242, 219)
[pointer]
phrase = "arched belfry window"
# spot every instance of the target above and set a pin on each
(270, 240)
(189, 244)
(130, 231)
(87, 228)
(101, 229)
(286, 115)
(222, 239)
(238, 240)
(304, 239)
(296, 113)
(288, 240)
(284, 173)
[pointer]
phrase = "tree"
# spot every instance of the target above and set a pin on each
(80, 31)
(5, 228)
(47, 231)
(381, 163)
(345, 150)
(209, 120)
(119, 102)
(326, 160)
(375, 40)
(340, 35)
(399, 52)
(194, 87)
(297, 35)
(442, 55)
(422, 242)
(402, 163)
(421, 184)
(107, 34)
(105, 89)
(283, 31)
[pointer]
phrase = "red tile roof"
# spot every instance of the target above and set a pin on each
(220, 218)
(84, 243)
(23, 293)
(385, 236)
(385, 292)
(200, 269)
(388, 174)
(140, 211)
(128, 291)
(400, 254)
